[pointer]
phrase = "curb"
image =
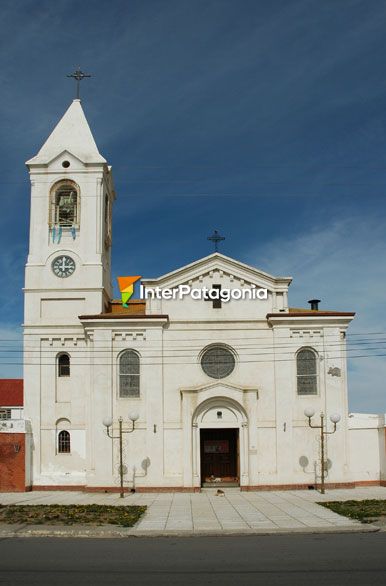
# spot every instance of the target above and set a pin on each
(118, 532)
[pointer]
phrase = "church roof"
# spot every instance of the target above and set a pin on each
(311, 313)
(300, 311)
(71, 134)
(115, 310)
(136, 306)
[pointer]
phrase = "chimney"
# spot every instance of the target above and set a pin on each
(314, 304)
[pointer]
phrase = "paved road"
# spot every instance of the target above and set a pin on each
(335, 560)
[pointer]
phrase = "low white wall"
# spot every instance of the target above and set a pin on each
(367, 459)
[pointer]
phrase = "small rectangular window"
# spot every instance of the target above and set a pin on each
(5, 413)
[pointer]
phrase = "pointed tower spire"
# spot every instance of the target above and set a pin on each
(71, 134)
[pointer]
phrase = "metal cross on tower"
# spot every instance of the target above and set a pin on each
(216, 238)
(78, 75)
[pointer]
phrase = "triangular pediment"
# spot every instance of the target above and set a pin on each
(217, 265)
(219, 387)
(65, 155)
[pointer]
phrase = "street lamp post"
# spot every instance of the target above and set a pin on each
(108, 423)
(335, 418)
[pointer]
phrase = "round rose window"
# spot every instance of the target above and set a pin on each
(218, 362)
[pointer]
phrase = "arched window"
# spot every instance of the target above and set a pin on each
(128, 374)
(307, 374)
(64, 202)
(63, 364)
(64, 442)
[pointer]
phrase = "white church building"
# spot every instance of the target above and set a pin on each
(211, 390)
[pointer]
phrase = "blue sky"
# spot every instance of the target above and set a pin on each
(265, 120)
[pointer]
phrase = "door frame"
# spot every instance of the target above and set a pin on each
(235, 450)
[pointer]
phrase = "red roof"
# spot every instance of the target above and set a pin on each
(11, 392)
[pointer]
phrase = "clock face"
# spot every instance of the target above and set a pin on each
(63, 266)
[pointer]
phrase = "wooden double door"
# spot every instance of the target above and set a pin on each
(219, 455)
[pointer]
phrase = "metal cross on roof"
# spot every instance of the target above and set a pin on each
(216, 238)
(78, 75)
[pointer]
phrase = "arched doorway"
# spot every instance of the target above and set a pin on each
(220, 442)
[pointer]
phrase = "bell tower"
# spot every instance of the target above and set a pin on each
(68, 271)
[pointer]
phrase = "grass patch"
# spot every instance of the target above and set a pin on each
(366, 511)
(71, 514)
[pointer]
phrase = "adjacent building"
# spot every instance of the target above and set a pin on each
(15, 438)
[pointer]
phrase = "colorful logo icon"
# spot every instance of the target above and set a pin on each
(126, 287)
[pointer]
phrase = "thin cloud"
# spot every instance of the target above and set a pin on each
(343, 264)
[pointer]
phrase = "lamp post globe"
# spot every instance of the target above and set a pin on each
(335, 418)
(309, 412)
(107, 421)
(133, 416)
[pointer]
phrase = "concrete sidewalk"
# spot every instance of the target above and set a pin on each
(204, 513)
